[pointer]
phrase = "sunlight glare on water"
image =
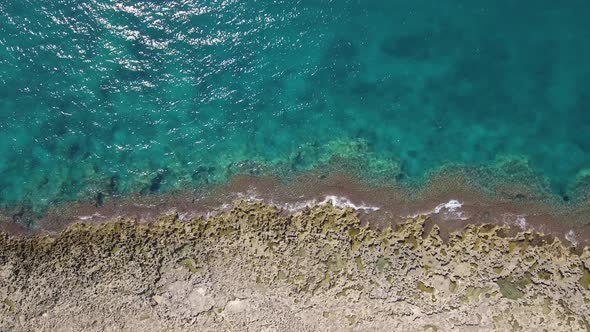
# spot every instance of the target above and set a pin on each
(117, 97)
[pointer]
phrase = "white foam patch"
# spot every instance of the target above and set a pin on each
(343, 202)
(571, 237)
(450, 210)
(220, 209)
(518, 220)
(96, 215)
(249, 196)
(451, 206)
(521, 221)
(337, 201)
(298, 206)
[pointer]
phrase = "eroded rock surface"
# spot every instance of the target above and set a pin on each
(254, 269)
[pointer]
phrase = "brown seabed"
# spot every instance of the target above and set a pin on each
(449, 201)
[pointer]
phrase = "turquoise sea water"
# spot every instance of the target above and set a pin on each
(110, 97)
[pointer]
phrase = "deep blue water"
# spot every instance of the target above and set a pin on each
(121, 96)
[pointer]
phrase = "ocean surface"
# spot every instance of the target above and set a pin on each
(101, 98)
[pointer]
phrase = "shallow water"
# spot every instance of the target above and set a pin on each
(144, 96)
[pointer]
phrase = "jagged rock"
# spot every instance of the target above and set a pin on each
(253, 268)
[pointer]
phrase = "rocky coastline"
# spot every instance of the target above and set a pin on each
(257, 268)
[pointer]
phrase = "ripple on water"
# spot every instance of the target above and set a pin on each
(164, 95)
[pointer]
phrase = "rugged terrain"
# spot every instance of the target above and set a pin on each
(255, 268)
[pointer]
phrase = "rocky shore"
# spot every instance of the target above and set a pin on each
(256, 268)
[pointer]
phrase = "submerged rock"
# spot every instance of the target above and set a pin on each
(253, 268)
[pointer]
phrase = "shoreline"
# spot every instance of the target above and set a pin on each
(450, 201)
(255, 267)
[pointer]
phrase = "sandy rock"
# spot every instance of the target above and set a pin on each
(255, 269)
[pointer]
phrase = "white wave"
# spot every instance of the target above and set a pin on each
(343, 202)
(96, 215)
(518, 220)
(249, 196)
(451, 206)
(219, 209)
(571, 236)
(521, 221)
(337, 201)
(449, 210)
(295, 207)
